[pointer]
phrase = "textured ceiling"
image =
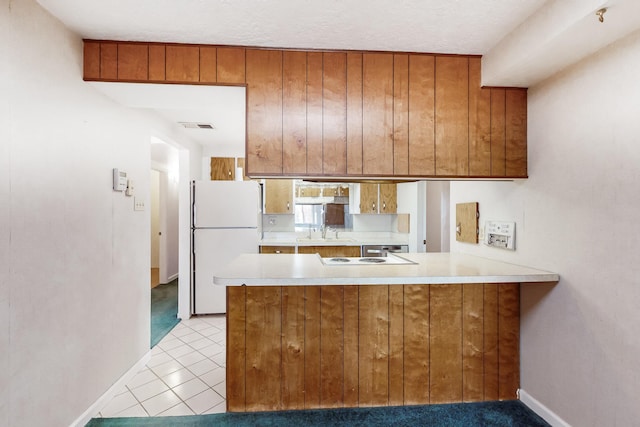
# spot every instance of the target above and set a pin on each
(439, 26)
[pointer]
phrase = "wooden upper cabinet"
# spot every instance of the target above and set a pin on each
(314, 113)
(133, 61)
(264, 112)
(498, 132)
(479, 123)
(334, 114)
(91, 68)
(400, 114)
(182, 63)
(278, 196)
(231, 65)
(352, 114)
(452, 116)
(208, 64)
(368, 198)
(377, 114)
(223, 168)
(421, 115)
(388, 202)
(294, 112)
(157, 59)
(516, 132)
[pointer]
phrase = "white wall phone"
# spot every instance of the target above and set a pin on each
(119, 180)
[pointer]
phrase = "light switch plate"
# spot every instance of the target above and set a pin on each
(138, 204)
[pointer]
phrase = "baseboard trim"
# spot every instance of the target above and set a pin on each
(83, 419)
(172, 277)
(547, 414)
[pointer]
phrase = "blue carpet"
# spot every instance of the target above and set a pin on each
(511, 413)
(164, 310)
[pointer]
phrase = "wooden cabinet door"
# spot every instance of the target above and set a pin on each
(277, 249)
(377, 115)
(368, 198)
(479, 123)
(452, 116)
(231, 65)
(422, 115)
(294, 112)
(516, 132)
(331, 251)
(264, 112)
(278, 196)
(388, 198)
(334, 114)
(223, 169)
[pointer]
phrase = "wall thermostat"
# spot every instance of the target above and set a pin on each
(500, 234)
(119, 180)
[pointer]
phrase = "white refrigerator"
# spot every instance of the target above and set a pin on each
(225, 219)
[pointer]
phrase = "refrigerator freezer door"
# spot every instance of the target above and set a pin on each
(226, 204)
(213, 250)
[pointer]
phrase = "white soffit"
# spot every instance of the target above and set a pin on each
(558, 35)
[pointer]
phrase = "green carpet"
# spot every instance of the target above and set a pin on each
(164, 310)
(510, 413)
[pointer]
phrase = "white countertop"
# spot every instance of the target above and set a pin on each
(430, 268)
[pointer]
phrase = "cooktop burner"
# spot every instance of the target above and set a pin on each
(372, 260)
(388, 260)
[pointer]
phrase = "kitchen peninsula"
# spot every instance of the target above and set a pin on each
(305, 334)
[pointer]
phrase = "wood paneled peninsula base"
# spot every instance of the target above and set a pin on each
(372, 339)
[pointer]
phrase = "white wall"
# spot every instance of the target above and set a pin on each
(154, 210)
(74, 255)
(577, 215)
(5, 213)
(437, 216)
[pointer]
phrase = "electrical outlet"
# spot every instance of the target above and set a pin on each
(272, 220)
(138, 204)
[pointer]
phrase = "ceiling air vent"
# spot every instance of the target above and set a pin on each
(196, 125)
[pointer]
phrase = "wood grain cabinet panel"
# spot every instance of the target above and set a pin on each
(479, 123)
(516, 132)
(334, 114)
(109, 61)
(182, 63)
(354, 114)
(231, 65)
(498, 132)
(264, 112)
(157, 62)
(388, 202)
(208, 64)
(421, 115)
(452, 116)
(278, 196)
(295, 347)
(294, 112)
(377, 114)
(223, 168)
(314, 113)
(133, 61)
(91, 60)
(400, 114)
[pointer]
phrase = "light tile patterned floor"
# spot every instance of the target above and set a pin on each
(185, 376)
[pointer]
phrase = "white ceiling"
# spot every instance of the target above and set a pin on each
(522, 41)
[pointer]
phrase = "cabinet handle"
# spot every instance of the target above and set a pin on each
(373, 207)
(287, 205)
(229, 172)
(384, 206)
(278, 252)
